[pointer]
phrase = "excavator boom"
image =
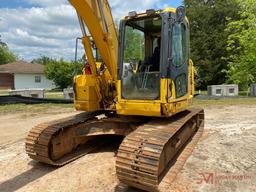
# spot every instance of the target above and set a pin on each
(97, 16)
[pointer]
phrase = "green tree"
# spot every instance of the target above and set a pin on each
(134, 45)
(62, 72)
(208, 21)
(44, 60)
(242, 46)
(6, 56)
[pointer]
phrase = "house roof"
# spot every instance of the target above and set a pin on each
(22, 67)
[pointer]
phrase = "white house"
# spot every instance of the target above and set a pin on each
(24, 75)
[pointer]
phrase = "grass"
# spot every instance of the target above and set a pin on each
(202, 92)
(54, 95)
(225, 101)
(35, 108)
(244, 93)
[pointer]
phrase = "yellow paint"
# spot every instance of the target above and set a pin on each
(87, 93)
(138, 108)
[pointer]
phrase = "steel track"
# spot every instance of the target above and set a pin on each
(145, 156)
(39, 140)
(62, 141)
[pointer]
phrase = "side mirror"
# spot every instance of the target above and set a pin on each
(180, 13)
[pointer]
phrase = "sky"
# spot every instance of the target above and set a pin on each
(32, 28)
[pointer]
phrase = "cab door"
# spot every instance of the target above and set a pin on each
(179, 56)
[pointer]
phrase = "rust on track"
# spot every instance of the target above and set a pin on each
(39, 142)
(60, 142)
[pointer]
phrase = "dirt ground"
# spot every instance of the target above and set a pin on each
(224, 159)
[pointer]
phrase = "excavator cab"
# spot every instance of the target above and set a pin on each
(154, 69)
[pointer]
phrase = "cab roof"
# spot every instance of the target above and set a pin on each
(150, 12)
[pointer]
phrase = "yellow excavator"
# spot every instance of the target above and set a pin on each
(142, 90)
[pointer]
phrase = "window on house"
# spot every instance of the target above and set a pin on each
(37, 79)
(232, 90)
(218, 91)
